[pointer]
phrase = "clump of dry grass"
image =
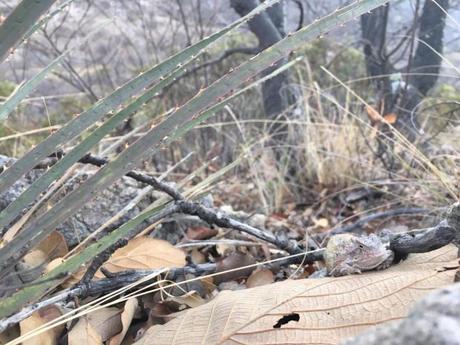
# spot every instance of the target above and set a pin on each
(331, 145)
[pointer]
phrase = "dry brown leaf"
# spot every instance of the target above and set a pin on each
(200, 233)
(191, 299)
(34, 258)
(54, 246)
(106, 322)
(390, 118)
(9, 334)
(139, 253)
(127, 316)
(145, 253)
(322, 222)
(228, 265)
(32, 265)
(197, 257)
(310, 311)
(84, 333)
(373, 114)
(53, 264)
(38, 319)
(260, 277)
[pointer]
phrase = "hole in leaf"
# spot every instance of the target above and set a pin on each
(286, 318)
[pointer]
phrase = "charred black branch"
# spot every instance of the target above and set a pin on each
(421, 241)
(384, 214)
(269, 28)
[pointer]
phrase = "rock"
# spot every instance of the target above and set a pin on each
(94, 213)
(435, 320)
(258, 221)
(20, 185)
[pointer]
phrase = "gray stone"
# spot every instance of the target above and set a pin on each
(94, 213)
(435, 320)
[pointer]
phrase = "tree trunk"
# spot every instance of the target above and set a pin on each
(373, 29)
(403, 96)
(269, 28)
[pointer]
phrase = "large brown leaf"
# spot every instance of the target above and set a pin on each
(311, 311)
(145, 253)
(84, 332)
(38, 319)
(97, 326)
(127, 316)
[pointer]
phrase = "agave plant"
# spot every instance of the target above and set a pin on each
(143, 87)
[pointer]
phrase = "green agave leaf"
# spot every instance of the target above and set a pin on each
(46, 19)
(19, 22)
(25, 14)
(26, 88)
(79, 124)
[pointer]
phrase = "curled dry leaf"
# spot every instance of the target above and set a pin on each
(84, 333)
(310, 311)
(234, 260)
(106, 322)
(127, 316)
(191, 299)
(54, 246)
(9, 334)
(37, 320)
(32, 265)
(145, 253)
(390, 118)
(197, 257)
(373, 114)
(260, 277)
(201, 233)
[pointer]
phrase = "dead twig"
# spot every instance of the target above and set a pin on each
(384, 214)
(211, 216)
